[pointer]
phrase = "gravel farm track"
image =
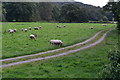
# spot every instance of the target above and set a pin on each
(57, 55)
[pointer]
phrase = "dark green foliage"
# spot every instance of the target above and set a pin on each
(72, 13)
(27, 11)
(57, 12)
(59, 65)
(44, 11)
(114, 7)
(18, 11)
(112, 70)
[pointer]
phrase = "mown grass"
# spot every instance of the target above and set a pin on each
(84, 64)
(19, 44)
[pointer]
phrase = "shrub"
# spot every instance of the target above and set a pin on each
(112, 70)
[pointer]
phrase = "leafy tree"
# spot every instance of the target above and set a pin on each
(114, 7)
(112, 70)
(18, 11)
(56, 13)
(44, 10)
(72, 13)
(28, 11)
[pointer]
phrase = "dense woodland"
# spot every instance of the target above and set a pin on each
(53, 12)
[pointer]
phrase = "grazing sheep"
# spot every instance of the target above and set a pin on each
(25, 30)
(11, 31)
(60, 26)
(36, 28)
(30, 28)
(33, 36)
(104, 24)
(56, 42)
(91, 28)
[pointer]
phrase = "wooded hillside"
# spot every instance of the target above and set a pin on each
(53, 12)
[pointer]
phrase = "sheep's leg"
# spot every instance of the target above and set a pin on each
(50, 43)
(60, 44)
(53, 44)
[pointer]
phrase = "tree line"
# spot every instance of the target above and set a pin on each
(114, 8)
(112, 70)
(53, 12)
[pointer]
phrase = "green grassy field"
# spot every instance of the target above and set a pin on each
(84, 64)
(56, 52)
(19, 44)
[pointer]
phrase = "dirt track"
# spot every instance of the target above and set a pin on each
(65, 53)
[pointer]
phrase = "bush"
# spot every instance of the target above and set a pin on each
(112, 70)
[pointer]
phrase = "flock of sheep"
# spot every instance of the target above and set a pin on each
(33, 36)
(22, 29)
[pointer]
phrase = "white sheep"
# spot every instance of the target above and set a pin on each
(59, 27)
(36, 28)
(104, 24)
(11, 31)
(33, 36)
(30, 28)
(91, 27)
(25, 30)
(56, 42)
